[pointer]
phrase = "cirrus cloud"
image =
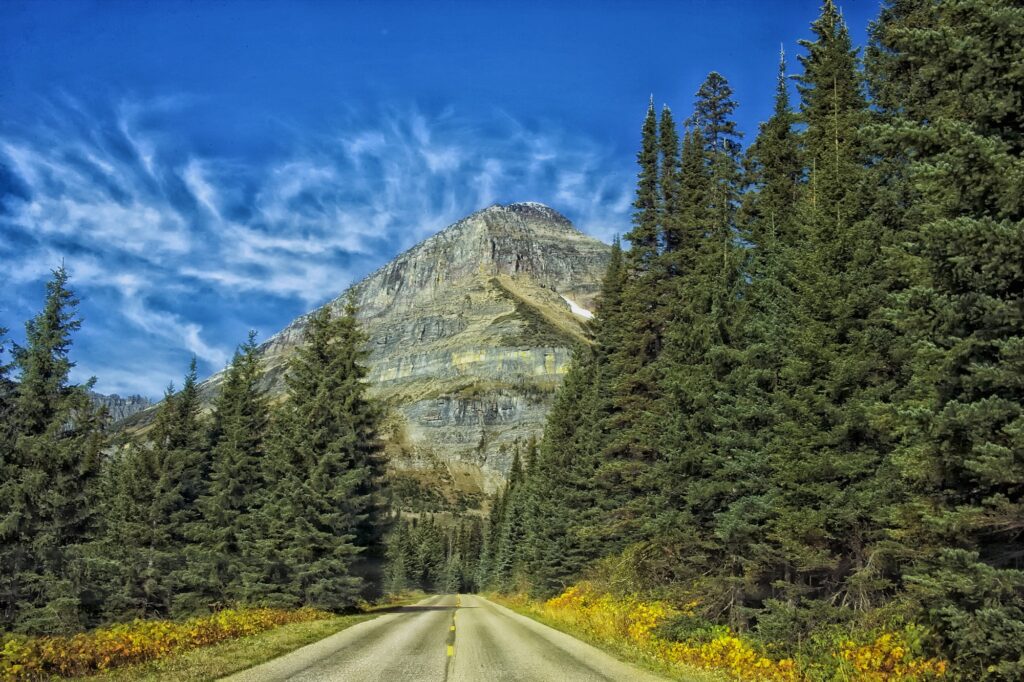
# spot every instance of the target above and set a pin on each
(176, 253)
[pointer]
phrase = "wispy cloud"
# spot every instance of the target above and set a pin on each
(181, 252)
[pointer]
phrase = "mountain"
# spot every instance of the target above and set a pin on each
(470, 333)
(120, 408)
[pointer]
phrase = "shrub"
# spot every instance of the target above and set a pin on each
(39, 658)
(675, 635)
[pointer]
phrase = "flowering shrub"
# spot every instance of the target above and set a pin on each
(628, 618)
(39, 658)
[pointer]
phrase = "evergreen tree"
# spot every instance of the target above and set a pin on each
(48, 506)
(634, 412)
(155, 486)
(324, 468)
(768, 219)
(399, 555)
(828, 474)
(701, 345)
(9, 472)
(946, 79)
(224, 559)
(508, 544)
(773, 174)
(470, 546)
(673, 232)
(643, 238)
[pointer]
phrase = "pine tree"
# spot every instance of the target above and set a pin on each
(773, 173)
(768, 219)
(643, 238)
(630, 374)
(399, 557)
(224, 559)
(470, 546)
(947, 81)
(829, 479)
(673, 231)
(561, 528)
(9, 472)
(429, 543)
(155, 487)
(325, 469)
(701, 346)
(509, 542)
(48, 508)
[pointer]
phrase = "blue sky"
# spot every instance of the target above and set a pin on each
(205, 168)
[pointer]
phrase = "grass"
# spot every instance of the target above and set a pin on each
(226, 658)
(620, 650)
(541, 329)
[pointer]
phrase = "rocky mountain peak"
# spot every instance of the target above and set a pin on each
(470, 332)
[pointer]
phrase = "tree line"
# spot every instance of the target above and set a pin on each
(803, 405)
(253, 503)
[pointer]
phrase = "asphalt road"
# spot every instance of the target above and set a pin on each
(447, 638)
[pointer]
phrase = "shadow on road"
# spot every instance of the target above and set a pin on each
(420, 609)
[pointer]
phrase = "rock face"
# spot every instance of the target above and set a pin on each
(470, 333)
(120, 408)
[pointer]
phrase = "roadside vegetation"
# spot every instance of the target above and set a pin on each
(793, 448)
(677, 642)
(39, 658)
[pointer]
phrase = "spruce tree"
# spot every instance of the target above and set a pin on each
(399, 557)
(829, 479)
(224, 559)
(768, 220)
(630, 373)
(48, 509)
(701, 343)
(673, 232)
(508, 545)
(324, 469)
(9, 472)
(643, 238)
(150, 519)
(948, 82)
(566, 505)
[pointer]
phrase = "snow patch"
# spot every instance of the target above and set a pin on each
(578, 309)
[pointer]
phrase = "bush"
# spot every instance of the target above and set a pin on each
(676, 635)
(40, 658)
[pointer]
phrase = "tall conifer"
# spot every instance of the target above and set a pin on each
(325, 469)
(155, 487)
(948, 81)
(224, 556)
(49, 510)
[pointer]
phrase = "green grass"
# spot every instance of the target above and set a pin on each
(620, 650)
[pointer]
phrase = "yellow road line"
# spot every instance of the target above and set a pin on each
(451, 650)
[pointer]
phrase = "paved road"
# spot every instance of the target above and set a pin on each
(447, 638)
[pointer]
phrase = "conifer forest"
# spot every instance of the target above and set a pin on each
(796, 422)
